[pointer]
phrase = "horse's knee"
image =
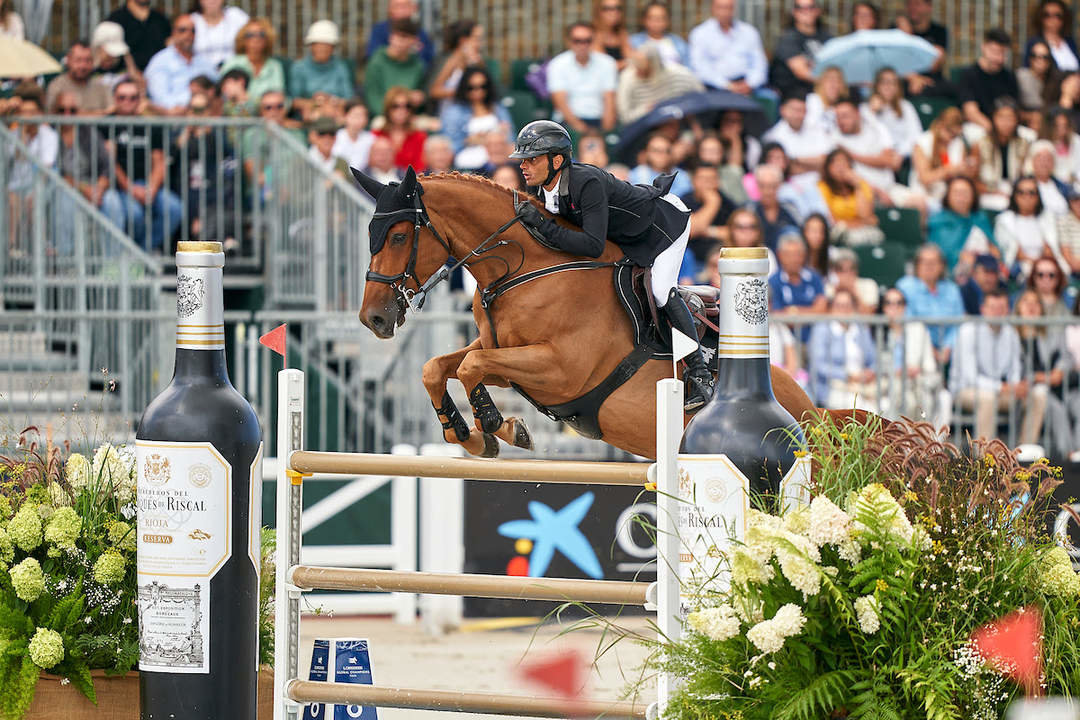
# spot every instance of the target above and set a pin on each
(433, 377)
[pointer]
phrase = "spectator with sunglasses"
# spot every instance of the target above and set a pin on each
(1025, 232)
(171, 70)
(1036, 80)
(273, 109)
(474, 111)
(84, 163)
(582, 82)
(1053, 21)
(139, 186)
(255, 56)
(401, 131)
(1051, 286)
(199, 156)
(84, 160)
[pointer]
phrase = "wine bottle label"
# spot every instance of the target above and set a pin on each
(200, 315)
(744, 324)
(714, 501)
(255, 487)
(185, 537)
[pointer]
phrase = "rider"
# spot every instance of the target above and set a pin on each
(649, 224)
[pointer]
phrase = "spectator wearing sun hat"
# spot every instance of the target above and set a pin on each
(322, 79)
(112, 56)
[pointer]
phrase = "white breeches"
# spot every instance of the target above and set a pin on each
(665, 269)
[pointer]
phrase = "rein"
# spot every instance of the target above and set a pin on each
(488, 295)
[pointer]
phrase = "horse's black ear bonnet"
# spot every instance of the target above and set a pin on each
(393, 203)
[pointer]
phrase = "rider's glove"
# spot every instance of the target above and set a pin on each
(530, 214)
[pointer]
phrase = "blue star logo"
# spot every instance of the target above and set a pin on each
(552, 530)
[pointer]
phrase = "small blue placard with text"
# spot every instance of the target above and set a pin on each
(346, 661)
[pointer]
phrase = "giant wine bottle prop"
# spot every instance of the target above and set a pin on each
(199, 450)
(740, 449)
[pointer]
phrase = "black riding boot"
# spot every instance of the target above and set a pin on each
(698, 379)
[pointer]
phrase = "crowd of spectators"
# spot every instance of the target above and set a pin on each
(992, 178)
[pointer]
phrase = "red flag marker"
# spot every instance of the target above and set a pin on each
(1014, 644)
(275, 340)
(563, 673)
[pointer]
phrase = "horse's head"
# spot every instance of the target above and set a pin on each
(400, 235)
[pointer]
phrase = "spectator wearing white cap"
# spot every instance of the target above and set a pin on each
(112, 56)
(92, 93)
(322, 81)
(216, 26)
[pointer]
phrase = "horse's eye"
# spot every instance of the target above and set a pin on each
(397, 239)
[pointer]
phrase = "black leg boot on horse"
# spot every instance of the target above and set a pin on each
(698, 379)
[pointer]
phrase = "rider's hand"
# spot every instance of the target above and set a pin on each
(530, 214)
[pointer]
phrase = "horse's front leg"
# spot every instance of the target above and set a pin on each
(436, 372)
(530, 365)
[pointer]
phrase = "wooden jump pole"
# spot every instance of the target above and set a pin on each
(486, 586)
(546, 471)
(456, 701)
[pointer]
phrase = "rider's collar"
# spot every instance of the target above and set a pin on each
(563, 186)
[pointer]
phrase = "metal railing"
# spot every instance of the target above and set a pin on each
(517, 30)
(318, 253)
(243, 182)
(366, 395)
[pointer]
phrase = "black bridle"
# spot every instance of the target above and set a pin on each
(405, 296)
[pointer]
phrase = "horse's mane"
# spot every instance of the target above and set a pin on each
(480, 179)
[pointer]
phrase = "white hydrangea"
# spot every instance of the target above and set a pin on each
(746, 569)
(798, 562)
(829, 525)
(797, 520)
(768, 635)
(867, 611)
(77, 472)
(850, 551)
(718, 623)
(114, 467)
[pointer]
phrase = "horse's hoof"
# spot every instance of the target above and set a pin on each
(491, 446)
(522, 438)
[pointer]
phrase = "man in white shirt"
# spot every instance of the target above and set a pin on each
(806, 145)
(869, 145)
(727, 53)
(582, 82)
(872, 150)
(987, 371)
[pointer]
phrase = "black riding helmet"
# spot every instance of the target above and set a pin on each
(543, 137)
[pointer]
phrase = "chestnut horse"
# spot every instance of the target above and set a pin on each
(555, 337)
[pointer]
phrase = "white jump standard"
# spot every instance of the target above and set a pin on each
(291, 692)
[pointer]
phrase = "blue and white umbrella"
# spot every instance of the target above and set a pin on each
(863, 53)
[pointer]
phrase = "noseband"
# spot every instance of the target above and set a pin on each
(406, 296)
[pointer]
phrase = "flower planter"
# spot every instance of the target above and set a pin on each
(118, 698)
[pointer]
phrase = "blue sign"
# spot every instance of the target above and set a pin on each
(552, 530)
